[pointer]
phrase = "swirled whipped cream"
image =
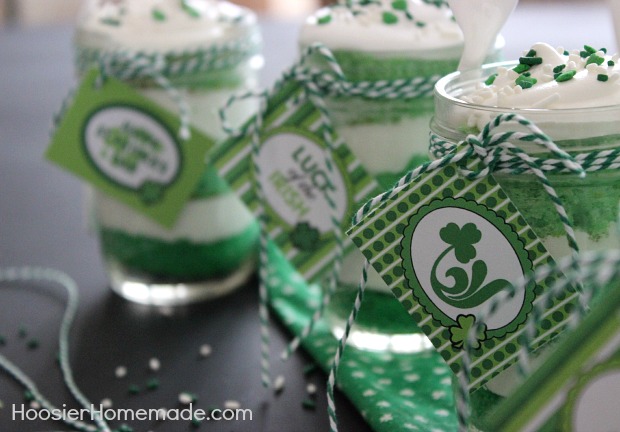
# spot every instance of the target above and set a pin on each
(553, 78)
(163, 25)
(385, 26)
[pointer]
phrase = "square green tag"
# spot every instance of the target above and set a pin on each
(445, 245)
(578, 387)
(128, 147)
(296, 182)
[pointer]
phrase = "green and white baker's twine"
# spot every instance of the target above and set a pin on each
(592, 270)
(126, 65)
(319, 84)
(493, 149)
(14, 274)
(331, 380)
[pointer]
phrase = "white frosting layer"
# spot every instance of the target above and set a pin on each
(201, 221)
(362, 28)
(163, 25)
(582, 91)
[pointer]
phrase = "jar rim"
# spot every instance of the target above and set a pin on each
(445, 87)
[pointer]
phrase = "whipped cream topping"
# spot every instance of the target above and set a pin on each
(385, 26)
(163, 25)
(552, 78)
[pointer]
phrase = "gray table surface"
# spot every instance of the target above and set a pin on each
(42, 224)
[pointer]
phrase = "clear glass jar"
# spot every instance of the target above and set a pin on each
(211, 248)
(591, 202)
(389, 137)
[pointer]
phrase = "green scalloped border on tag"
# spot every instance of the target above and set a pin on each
(126, 145)
(379, 235)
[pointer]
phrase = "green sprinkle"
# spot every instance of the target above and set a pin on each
(566, 76)
(559, 68)
(589, 49)
(308, 404)
(195, 422)
(420, 24)
(110, 21)
(158, 15)
(604, 50)
(133, 389)
(28, 396)
(584, 54)
(525, 81)
(595, 59)
(193, 12)
(409, 16)
(520, 68)
(309, 369)
(531, 61)
(152, 384)
(611, 63)
(602, 77)
(531, 53)
(22, 332)
(399, 5)
(2, 340)
(325, 19)
(389, 18)
(33, 344)
(491, 79)
(566, 52)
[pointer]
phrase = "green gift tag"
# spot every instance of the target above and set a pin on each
(445, 245)
(126, 146)
(295, 179)
(578, 387)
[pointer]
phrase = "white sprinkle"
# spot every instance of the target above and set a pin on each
(547, 68)
(120, 372)
(311, 389)
(186, 398)
(205, 350)
(560, 50)
(232, 404)
(571, 65)
(35, 405)
(154, 364)
(278, 383)
(106, 403)
(518, 89)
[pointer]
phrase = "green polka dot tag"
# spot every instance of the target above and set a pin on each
(446, 245)
(302, 192)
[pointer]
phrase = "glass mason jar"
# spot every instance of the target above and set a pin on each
(388, 135)
(591, 202)
(210, 250)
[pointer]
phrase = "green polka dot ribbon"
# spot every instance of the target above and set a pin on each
(37, 274)
(593, 271)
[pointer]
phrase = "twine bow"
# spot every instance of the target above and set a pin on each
(125, 65)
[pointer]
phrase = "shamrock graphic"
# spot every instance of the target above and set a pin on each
(462, 239)
(458, 333)
(151, 192)
(304, 236)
